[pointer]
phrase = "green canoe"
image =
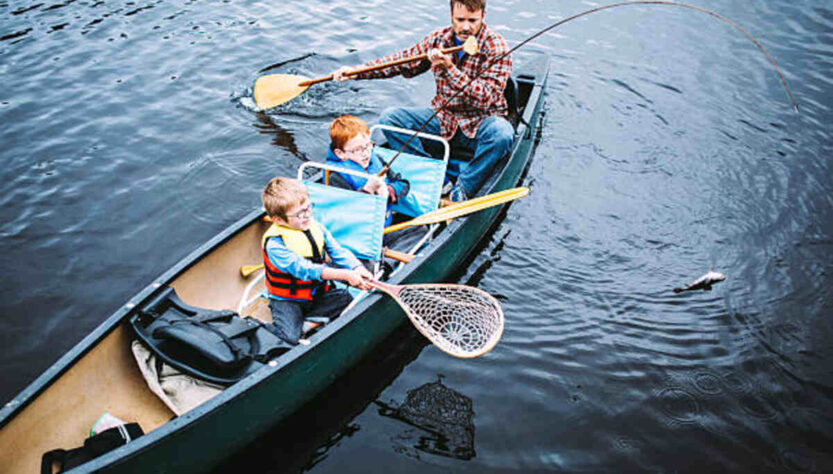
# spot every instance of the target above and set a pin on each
(100, 374)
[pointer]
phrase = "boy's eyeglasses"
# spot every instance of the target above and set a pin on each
(360, 150)
(303, 213)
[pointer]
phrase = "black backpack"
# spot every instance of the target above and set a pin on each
(94, 446)
(217, 346)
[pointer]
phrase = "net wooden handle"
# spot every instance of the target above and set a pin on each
(392, 290)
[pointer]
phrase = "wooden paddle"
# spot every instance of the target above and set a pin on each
(403, 257)
(462, 208)
(273, 90)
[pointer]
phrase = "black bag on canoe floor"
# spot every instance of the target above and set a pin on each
(94, 446)
(217, 346)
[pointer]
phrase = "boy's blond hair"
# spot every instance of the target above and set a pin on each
(281, 194)
(345, 128)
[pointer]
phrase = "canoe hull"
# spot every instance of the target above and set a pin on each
(204, 436)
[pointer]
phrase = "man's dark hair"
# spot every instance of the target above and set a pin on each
(471, 5)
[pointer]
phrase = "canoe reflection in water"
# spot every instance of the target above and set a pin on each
(444, 419)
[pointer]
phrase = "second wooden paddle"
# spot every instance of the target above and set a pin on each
(462, 208)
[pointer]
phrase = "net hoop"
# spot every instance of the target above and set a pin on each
(460, 320)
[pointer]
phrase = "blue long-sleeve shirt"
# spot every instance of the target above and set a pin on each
(301, 268)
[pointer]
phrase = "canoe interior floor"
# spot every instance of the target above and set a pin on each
(214, 282)
(105, 379)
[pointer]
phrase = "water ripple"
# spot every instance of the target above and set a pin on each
(668, 147)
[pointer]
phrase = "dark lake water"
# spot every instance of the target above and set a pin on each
(668, 147)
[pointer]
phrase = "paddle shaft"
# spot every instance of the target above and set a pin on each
(398, 256)
(376, 67)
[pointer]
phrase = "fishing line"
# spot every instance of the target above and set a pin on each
(277, 65)
(587, 12)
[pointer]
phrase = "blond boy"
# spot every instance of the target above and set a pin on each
(295, 250)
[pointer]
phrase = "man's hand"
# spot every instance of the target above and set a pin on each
(339, 74)
(438, 59)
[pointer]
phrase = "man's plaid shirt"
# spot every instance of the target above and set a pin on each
(481, 99)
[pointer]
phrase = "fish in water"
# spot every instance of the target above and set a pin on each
(705, 282)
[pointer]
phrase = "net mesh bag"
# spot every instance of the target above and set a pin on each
(461, 320)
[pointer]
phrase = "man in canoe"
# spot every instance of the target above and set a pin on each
(294, 250)
(476, 118)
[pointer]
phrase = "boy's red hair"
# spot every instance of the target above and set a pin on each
(345, 128)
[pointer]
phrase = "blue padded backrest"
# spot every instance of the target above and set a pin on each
(426, 177)
(355, 219)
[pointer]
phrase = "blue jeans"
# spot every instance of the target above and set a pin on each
(492, 142)
(288, 316)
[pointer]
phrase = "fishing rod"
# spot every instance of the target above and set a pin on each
(579, 15)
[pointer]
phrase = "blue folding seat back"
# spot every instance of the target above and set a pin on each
(425, 176)
(355, 219)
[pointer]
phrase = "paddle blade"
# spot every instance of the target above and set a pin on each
(247, 270)
(473, 205)
(459, 209)
(470, 46)
(460, 320)
(275, 89)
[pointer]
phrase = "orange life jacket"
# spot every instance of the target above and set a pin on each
(308, 244)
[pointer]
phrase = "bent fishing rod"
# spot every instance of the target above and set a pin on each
(579, 15)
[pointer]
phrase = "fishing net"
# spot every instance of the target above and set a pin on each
(460, 320)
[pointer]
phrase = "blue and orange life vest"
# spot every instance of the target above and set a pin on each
(306, 243)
